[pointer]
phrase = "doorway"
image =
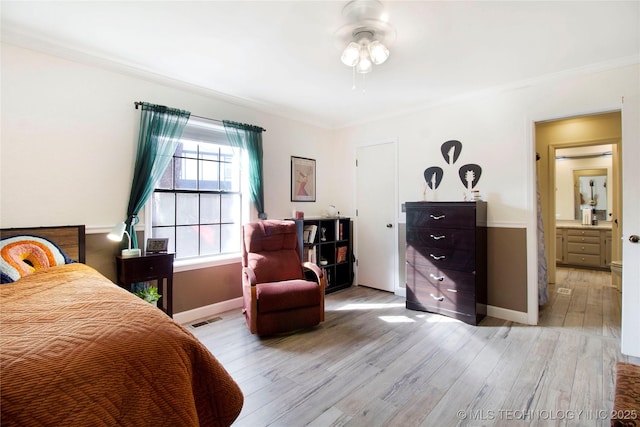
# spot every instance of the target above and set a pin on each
(375, 216)
(576, 133)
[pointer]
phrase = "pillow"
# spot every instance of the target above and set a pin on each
(22, 255)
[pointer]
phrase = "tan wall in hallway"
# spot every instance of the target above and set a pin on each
(576, 131)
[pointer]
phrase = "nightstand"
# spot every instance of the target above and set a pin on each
(148, 267)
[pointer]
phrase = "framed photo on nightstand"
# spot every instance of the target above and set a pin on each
(157, 246)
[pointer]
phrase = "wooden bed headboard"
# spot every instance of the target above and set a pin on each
(70, 238)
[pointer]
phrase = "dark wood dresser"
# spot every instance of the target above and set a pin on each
(446, 256)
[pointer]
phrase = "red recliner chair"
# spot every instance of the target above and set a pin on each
(277, 296)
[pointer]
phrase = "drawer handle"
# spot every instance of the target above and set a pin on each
(437, 237)
(437, 298)
(438, 278)
(437, 217)
(452, 290)
(437, 258)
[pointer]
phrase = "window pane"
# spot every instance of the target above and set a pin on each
(230, 208)
(187, 241)
(230, 170)
(209, 240)
(165, 232)
(188, 149)
(186, 174)
(209, 208)
(230, 238)
(166, 180)
(187, 209)
(163, 209)
(209, 151)
(209, 176)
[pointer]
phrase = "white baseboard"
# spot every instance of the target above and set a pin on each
(212, 310)
(207, 311)
(506, 314)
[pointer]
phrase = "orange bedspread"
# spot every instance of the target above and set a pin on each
(77, 350)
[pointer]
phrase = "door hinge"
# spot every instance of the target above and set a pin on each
(356, 162)
(356, 212)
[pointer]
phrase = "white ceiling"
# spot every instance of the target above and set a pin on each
(284, 57)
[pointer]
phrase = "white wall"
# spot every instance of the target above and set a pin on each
(496, 130)
(69, 136)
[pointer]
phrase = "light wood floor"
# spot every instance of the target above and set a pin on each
(375, 363)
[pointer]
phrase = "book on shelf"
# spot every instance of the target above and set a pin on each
(309, 233)
(341, 254)
(340, 231)
(327, 276)
(309, 254)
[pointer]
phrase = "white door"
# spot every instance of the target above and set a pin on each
(375, 216)
(630, 343)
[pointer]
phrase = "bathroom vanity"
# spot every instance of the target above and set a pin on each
(583, 246)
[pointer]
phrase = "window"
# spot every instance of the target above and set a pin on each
(198, 203)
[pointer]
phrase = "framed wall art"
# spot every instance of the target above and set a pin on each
(303, 179)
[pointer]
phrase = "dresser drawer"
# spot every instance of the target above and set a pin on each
(583, 248)
(583, 233)
(441, 237)
(432, 299)
(588, 260)
(442, 217)
(441, 258)
(443, 280)
(583, 239)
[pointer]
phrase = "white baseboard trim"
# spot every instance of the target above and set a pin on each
(207, 311)
(211, 310)
(506, 314)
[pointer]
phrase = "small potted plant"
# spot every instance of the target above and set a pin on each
(148, 293)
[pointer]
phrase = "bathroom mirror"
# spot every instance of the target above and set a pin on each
(590, 192)
(576, 169)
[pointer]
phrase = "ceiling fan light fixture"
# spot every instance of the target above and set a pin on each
(364, 65)
(367, 36)
(351, 54)
(378, 52)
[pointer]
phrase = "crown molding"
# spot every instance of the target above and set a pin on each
(41, 44)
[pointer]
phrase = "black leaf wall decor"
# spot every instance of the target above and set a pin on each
(470, 174)
(433, 176)
(451, 151)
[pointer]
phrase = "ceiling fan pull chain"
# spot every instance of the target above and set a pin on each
(353, 86)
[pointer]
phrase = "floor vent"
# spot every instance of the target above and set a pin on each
(206, 322)
(564, 291)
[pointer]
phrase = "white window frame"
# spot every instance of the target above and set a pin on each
(209, 260)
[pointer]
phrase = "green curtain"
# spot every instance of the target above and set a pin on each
(249, 138)
(160, 132)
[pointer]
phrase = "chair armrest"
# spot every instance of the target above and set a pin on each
(248, 276)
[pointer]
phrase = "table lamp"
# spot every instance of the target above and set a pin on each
(116, 235)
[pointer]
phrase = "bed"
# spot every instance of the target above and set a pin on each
(76, 349)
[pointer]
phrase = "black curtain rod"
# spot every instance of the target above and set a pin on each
(139, 104)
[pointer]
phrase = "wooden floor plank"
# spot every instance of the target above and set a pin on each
(373, 362)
